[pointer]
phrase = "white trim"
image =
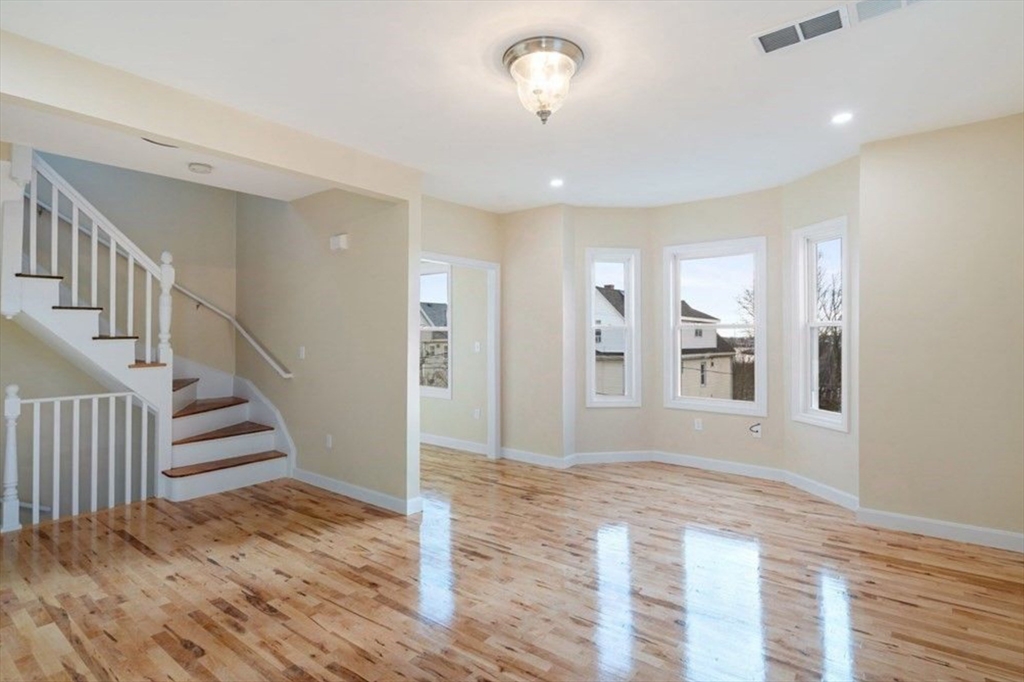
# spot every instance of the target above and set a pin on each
(493, 342)
(437, 267)
(758, 246)
(453, 443)
(630, 258)
(988, 537)
(377, 499)
(799, 342)
(568, 338)
(960, 532)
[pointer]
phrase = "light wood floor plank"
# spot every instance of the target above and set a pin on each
(512, 572)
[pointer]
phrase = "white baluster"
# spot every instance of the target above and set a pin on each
(36, 455)
(33, 224)
(128, 449)
(75, 433)
(94, 263)
(112, 312)
(149, 317)
(130, 310)
(94, 455)
(55, 502)
(144, 461)
(54, 223)
(166, 284)
(74, 254)
(111, 421)
(11, 504)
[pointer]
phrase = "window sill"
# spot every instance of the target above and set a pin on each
(720, 406)
(626, 402)
(431, 392)
(823, 420)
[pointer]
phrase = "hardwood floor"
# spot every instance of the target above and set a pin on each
(642, 571)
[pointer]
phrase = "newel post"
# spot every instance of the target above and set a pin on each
(11, 504)
(166, 284)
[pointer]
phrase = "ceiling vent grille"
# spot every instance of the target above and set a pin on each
(869, 9)
(803, 30)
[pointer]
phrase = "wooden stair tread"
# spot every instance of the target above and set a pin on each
(142, 364)
(209, 405)
(217, 465)
(239, 429)
(75, 307)
(179, 384)
(114, 338)
(27, 275)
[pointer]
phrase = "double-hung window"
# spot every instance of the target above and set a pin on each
(715, 350)
(820, 339)
(435, 329)
(613, 328)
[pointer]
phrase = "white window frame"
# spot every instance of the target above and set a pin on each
(630, 258)
(804, 262)
(430, 267)
(673, 255)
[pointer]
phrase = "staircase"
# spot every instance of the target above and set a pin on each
(94, 300)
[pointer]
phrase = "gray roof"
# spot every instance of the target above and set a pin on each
(687, 311)
(616, 297)
(436, 314)
(722, 347)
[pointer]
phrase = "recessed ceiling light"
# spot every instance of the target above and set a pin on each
(201, 168)
(842, 118)
(557, 182)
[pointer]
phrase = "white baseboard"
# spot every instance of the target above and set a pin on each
(989, 537)
(377, 499)
(534, 458)
(454, 443)
(826, 492)
(722, 466)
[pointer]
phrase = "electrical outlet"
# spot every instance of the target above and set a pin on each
(302, 352)
(698, 424)
(476, 413)
(755, 430)
(476, 346)
(330, 441)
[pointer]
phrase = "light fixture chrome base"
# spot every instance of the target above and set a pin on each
(543, 44)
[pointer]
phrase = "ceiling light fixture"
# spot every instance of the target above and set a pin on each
(542, 68)
(557, 182)
(200, 168)
(842, 118)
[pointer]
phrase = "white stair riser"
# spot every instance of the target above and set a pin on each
(185, 427)
(222, 448)
(191, 487)
(185, 396)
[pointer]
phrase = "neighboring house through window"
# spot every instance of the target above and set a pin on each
(613, 316)
(715, 348)
(820, 341)
(435, 329)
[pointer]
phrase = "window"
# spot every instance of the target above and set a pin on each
(435, 329)
(716, 349)
(820, 387)
(613, 318)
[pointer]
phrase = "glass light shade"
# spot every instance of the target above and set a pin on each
(542, 79)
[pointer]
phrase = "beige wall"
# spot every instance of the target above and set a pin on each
(533, 249)
(196, 223)
(824, 455)
(351, 311)
(454, 418)
(942, 255)
(454, 230)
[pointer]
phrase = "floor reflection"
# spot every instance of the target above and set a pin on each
(615, 618)
(437, 601)
(836, 642)
(724, 637)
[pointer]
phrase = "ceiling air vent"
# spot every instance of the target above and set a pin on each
(869, 9)
(811, 27)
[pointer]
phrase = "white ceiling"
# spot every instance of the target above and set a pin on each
(80, 140)
(674, 102)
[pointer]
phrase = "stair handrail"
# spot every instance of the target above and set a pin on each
(280, 369)
(95, 215)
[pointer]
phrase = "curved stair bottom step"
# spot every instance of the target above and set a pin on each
(230, 474)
